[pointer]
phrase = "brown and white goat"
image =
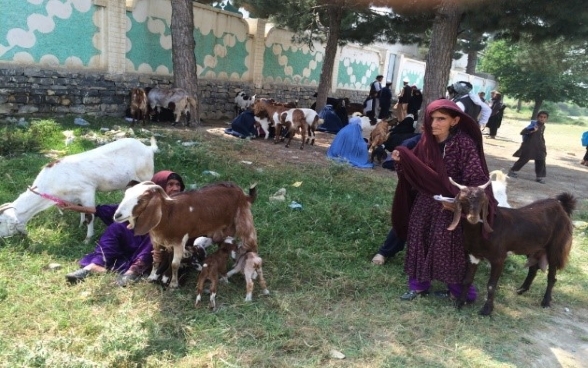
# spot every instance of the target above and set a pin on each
(219, 209)
(379, 134)
(138, 106)
(300, 119)
(250, 266)
(214, 269)
(541, 230)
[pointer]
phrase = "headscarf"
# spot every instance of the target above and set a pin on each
(425, 170)
(355, 120)
(162, 177)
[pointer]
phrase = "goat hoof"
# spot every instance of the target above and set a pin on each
(485, 311)
(521, 291)
(546, 304)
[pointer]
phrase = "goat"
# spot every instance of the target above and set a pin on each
(541, 230)
(213, 269)
(192, 258)
(176, 99)
(76, 179)
(263, 121)
(264, 107)
(499, 188)
(305, 120)
(242, 102)
(138, 106)
(378, 133)
(250, 265)
(220, 209)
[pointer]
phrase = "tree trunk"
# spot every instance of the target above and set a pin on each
(537, 108)
(519, 105)
(335, 17)
(443, 40)
(183, 46)
(472, 62)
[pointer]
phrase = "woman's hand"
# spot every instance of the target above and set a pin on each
(396, 155)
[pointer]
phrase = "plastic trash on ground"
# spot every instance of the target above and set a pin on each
(295, 205)
(280, 195)
(81, 122)
(209, 172)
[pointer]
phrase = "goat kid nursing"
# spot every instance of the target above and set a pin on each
(542, 231)
(76, 179)
(214, 269)
(217, 210)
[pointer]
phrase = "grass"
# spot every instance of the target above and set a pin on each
(325, 294)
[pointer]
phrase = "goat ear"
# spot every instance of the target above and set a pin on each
(149, 217)
(456, 215)
(485, 216)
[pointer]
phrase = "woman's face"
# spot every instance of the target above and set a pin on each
(441, 123)
(173, 186)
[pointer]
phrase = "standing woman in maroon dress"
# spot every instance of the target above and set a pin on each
(451, 146)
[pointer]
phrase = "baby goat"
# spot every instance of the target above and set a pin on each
(249, 264)
(215, 268)
(219, 209)
(541, 230)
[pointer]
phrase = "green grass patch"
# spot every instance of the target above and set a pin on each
(325, 294)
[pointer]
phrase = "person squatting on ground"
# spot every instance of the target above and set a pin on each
(532, 148)
(118, 249)
(450, 146)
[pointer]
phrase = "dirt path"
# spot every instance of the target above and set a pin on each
(561, 341)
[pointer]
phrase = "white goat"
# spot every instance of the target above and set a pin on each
(76, 179)
(242, 102)
(499, 187)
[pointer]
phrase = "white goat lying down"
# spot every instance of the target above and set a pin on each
(76, 179)
(217, 210)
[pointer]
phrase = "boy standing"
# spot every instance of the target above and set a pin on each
(532, 148)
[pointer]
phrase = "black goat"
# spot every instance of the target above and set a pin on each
(541, 230)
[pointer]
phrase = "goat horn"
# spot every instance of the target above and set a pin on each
(457, 185)
(456, 215)
(483, 186)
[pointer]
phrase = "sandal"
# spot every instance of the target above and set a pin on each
(412, 294)
(378, 259)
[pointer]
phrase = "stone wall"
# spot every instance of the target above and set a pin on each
(38, 92)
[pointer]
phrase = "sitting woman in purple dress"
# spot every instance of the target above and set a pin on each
(450, 146)
(118, 249)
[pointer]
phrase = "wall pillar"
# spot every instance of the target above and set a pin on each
(257, 50)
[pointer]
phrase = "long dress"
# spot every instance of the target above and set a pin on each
(118, 249)
(433, 252)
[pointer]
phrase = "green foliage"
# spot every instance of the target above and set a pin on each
(537, 72)
(39, 135)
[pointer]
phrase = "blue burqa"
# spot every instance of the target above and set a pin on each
(332, 123)
(349, 146)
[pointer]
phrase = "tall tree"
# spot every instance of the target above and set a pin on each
(553, 71)
(183, 46)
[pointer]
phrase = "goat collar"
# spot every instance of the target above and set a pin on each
(48, 196)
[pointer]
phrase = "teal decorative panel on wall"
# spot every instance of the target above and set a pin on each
(220, 55)
(291, 64)
(355, 74)
(48, 32)
(149, 43)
